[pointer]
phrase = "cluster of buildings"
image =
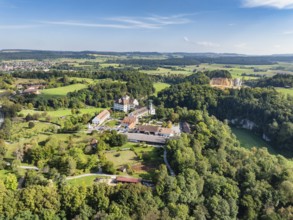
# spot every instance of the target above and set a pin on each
(131, 121)
(30, 89)
(25, 65)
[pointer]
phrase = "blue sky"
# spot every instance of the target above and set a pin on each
(238, 26)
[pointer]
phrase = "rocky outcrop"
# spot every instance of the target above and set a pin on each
(243, 123)
(1, 119)
(225, 83)
(265, 137)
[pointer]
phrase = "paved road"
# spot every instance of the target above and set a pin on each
(172, 173)
(91, 174)
(28, 167)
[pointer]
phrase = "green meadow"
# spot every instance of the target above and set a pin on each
(249, 140)
(160, 86)
(62, 91)
(285, 91)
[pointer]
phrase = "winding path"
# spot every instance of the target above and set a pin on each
(172, 173)
(91, 174)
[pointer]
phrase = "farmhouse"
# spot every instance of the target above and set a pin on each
(125, 104)
(100, 118)
(148, 129)
(166, 132)
(129, 122)
(155, 130)
(152, 139)
(186, 127)
(121, 179)
(140, 112)
(32, 90)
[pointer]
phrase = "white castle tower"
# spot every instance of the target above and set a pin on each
(152, 110)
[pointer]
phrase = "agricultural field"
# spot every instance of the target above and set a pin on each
(167, 71)
(238, 70)
(160, 86)
(62, 91)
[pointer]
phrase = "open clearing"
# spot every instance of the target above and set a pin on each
(86, 181)
(62, 91)
(63, 112)
(249, 140)
(162, 70)
(122, 158)
(285, 91)
(160, 86)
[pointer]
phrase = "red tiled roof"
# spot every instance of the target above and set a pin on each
(129, 120)
(103, 114)
(166, 131)
(148, 128)
(127, 180)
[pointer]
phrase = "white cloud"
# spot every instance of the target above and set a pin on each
(83, 24)
(288, 32)
(186, 39)
(152, 22)
(241, 45)
(208, 44)
(280, 4)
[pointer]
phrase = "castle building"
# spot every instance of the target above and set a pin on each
(125, 104)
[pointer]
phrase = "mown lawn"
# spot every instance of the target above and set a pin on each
(62, 91)
(86, 181)
(122, 158)
(160, 86)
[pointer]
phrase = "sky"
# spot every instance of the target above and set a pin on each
(255, 27)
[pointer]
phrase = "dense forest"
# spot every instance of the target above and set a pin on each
(42, 54)
(102, 94)
(269, 113)
(215, 179)
(279, 80)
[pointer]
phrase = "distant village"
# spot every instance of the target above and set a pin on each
(26, 65)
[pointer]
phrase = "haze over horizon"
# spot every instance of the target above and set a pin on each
(235, 26)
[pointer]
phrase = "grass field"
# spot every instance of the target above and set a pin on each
(64, 112)
(248, 139)
(160, 86)
(162, 70)
(86, 181)
(62, 91)
(122, 158)
(285, 91)
(112, 123)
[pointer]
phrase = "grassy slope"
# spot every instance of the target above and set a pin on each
(86, 181)
(285, 91)
(248, 139)
(160, 86)
(64, 112)
(62, 91)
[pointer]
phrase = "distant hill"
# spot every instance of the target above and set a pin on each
(178, 58)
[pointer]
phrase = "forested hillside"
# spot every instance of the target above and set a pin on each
(215, 179)
(270, 112)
